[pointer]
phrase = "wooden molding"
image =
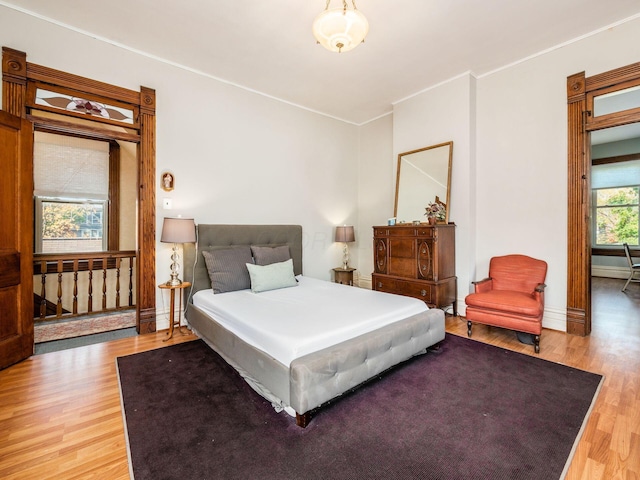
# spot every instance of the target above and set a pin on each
(18, 75)
(580, 91)
(14, 81)
(575, 87)
(618, 159)
(613, 77)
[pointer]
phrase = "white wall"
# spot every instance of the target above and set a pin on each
(376, 190)
(522, 155)
(237, 157)
(441, 114)
(509, 128)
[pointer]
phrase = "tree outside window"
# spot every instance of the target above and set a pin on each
(71, 226)
(617, 216)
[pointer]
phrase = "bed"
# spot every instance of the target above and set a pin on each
(302, 380)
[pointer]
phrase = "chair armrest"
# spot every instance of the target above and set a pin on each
(540, 287)
(484, 285)
(538, 293)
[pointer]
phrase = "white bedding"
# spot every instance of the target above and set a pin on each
(291, 322)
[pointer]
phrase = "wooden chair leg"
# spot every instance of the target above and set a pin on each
(468, 328)
(536, 343)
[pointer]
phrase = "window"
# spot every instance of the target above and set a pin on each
(71, 183)
(616, 216)
(71, 225)
(615, 183)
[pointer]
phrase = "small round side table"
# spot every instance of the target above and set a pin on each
(172, 321)
(344, 275)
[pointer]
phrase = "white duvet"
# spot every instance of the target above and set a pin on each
(291, 322)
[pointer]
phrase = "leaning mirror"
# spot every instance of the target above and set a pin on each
(424, 176)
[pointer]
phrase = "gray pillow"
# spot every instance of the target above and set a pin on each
(228, 268)
(266, 255)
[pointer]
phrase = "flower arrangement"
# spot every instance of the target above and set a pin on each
(436, 210)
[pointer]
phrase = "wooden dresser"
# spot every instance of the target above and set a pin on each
(417, 261)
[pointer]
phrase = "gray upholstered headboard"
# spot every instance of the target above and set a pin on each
(216, 236)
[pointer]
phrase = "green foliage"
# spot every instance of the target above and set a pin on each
(617, 216)
(64, 220)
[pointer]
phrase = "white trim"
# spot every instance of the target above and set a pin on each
(609, 272)
(555, 319)
(437, 85)
(561, 45)
(364, 281)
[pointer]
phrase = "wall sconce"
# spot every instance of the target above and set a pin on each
(345, 234)
(177, 230)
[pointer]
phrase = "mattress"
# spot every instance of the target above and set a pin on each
(292, 322)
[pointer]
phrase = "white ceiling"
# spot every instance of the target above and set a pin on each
(267, 45)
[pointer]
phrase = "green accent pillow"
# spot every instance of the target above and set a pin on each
(271, 277)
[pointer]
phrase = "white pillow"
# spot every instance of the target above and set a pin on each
(271, 277)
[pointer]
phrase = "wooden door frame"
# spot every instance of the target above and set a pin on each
(17, 74)
(580, 93)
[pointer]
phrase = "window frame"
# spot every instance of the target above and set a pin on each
(112, 207)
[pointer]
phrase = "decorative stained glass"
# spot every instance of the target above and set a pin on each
(83, 105)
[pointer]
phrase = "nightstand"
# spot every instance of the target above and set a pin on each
(344, 275)
(172, 321)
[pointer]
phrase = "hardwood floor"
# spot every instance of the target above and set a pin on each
(60, 414)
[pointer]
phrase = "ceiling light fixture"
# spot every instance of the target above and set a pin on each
(340, 29)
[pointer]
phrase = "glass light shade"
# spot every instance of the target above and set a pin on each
(340, 30)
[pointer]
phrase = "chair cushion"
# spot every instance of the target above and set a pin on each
(506, 301)
(517, 272)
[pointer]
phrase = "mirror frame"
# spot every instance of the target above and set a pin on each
(447, 200)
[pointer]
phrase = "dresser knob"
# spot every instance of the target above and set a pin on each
(423, 293)
(379, 284)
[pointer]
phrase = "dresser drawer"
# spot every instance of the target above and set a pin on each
(383, 284)
(417, 290)
(402, 232)
(425, 232)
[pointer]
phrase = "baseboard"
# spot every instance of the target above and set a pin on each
(555, 319)
(609, 272)
(364, 282)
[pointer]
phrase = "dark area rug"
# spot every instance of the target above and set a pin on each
(467, 411)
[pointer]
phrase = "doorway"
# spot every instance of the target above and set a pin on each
(604, 101)
(31, 95)
(615, 200)
(85, 210)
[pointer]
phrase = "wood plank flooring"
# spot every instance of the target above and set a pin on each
(60, 413)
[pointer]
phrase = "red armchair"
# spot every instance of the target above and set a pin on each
(511, 297)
